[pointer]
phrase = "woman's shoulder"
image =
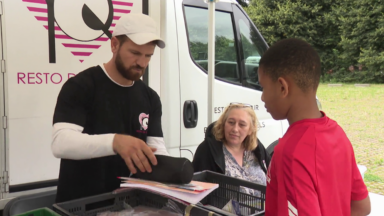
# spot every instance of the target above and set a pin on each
(209, 145)
(260, 146)
(262, 154)
(209, 141)
(206, 154)
(206, 143)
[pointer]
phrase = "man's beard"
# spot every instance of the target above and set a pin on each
(128, 73)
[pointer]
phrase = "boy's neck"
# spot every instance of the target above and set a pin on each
(303, 108)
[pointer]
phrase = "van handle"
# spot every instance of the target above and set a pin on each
(190, 114)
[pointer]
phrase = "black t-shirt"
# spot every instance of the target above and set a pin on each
(92, 100)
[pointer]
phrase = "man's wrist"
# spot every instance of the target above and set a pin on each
(113, 144)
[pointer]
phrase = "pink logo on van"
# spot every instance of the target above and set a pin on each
(80, 26)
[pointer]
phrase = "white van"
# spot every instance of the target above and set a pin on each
(45, 42)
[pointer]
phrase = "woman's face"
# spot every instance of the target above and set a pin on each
(237, 127)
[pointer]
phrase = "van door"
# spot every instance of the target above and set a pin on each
(235, 79)
(252, 46)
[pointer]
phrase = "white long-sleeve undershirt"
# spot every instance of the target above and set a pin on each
(68, 142)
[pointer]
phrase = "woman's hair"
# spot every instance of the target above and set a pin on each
(250, 141)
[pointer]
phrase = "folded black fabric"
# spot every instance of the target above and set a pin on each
(171, 170)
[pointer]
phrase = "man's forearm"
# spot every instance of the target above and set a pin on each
(68, 142)
(159, 144)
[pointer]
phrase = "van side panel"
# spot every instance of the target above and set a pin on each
(155, 63)
(39, 61)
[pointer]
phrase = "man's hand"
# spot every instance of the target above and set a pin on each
(134, 150)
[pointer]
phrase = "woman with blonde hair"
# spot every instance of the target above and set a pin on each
(234, 149)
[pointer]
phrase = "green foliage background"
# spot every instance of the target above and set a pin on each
(348, 34)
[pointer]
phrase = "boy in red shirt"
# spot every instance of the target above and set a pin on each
(313, 169)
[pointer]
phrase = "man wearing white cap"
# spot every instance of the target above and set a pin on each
(107, 122)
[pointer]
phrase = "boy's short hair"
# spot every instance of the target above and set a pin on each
(295, 58)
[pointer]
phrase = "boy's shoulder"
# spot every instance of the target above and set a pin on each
(316, 138)
(311, 132)
(314, 127)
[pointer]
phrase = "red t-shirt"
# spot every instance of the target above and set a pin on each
(313, 172)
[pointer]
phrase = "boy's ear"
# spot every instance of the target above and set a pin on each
(284, 87)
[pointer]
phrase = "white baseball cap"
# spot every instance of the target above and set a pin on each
(140, 28)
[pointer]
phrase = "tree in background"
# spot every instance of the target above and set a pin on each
(362, 40)
(348, 34)
(243, 3)
(312, 21)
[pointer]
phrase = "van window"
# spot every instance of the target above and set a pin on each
(226, 65)
(253, 47)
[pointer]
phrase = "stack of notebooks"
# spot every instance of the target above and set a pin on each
(191, 193)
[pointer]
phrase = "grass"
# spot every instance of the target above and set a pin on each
(372, 178)
(360, 112)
